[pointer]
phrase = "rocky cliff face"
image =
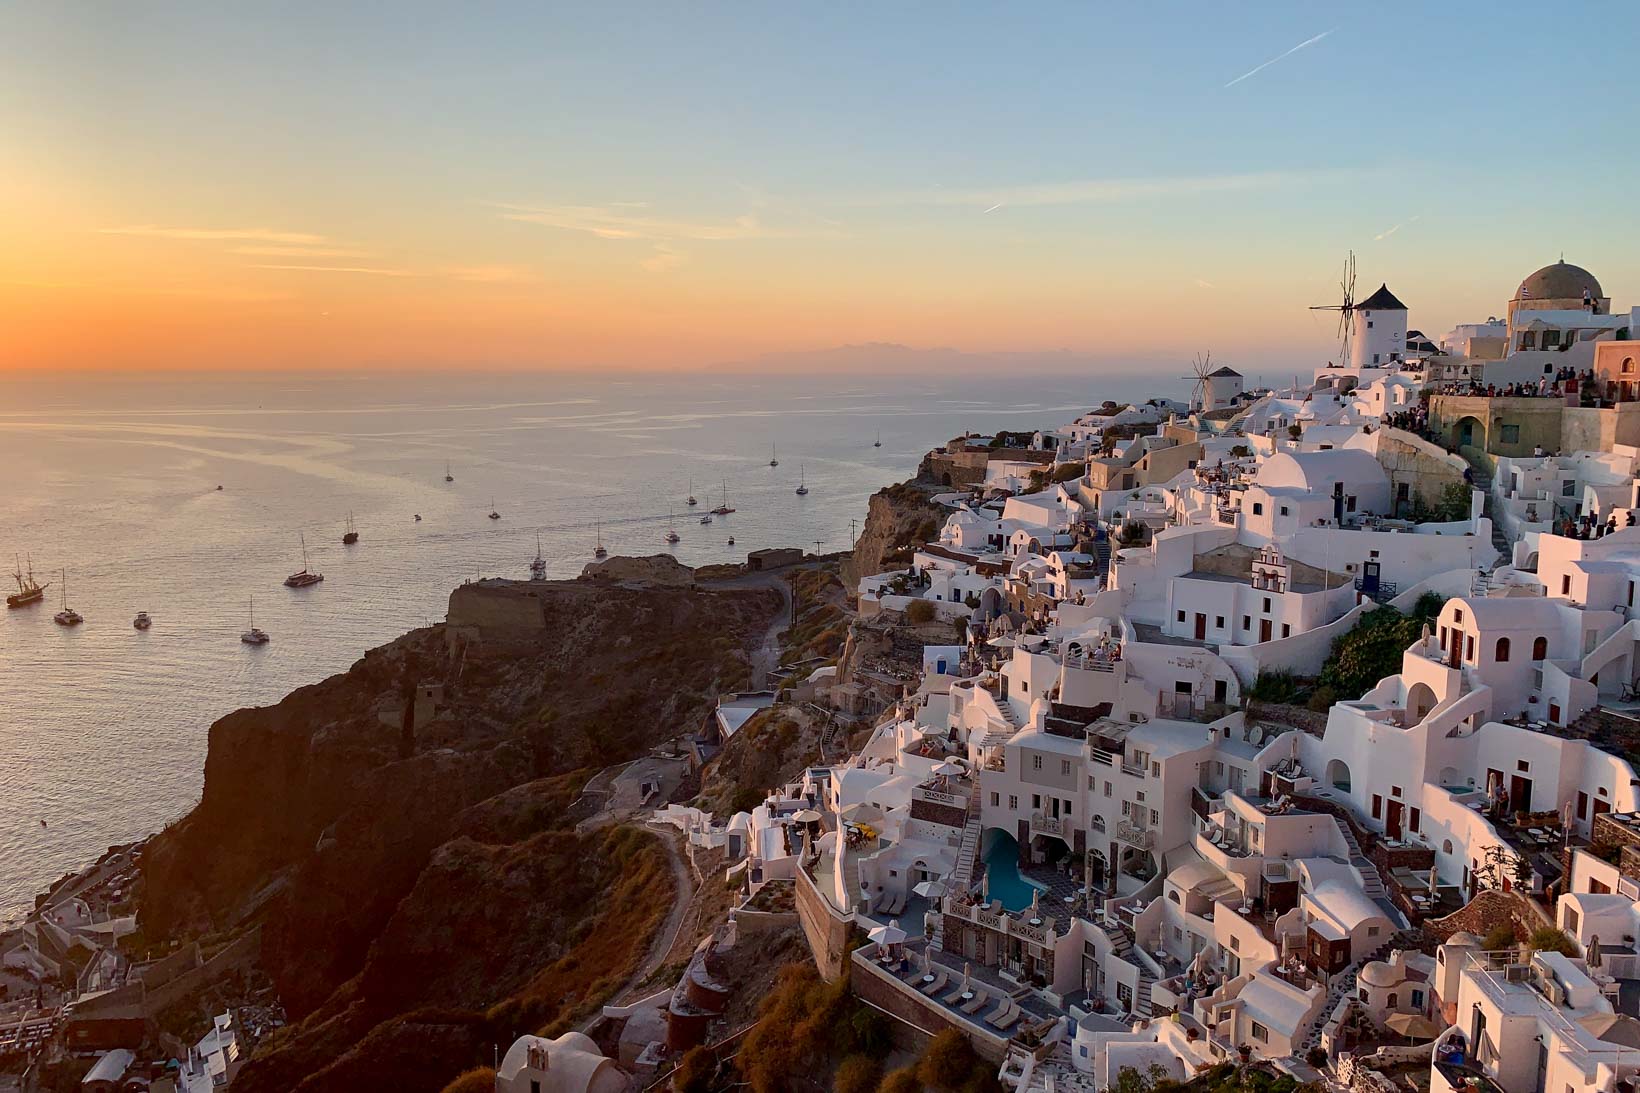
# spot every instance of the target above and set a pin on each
(381, 825)
(898, 517)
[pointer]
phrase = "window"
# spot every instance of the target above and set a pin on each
(1551, 339)
(1284, 511)
(1286, 630)
(1349, 503)
(1502, 655)
(1628, 365)
(1511, 434)
(1394, 1000)
(1417, 1000)
(1469, 647)
(995, 799)
(1093, 783)
(1181, 616)
(1568, 487)
(1260, 1033)
(1540, 648)
(1377, 807)
(1064, 766)
(1036, 762)
(1566, 585)
(1155, 818)
(1258, 508)
(1247, 622)
(1372, 931)
(1522, 765)
(1013, 802)
(1218, 622)
(1457, 616)
(1528, 339)
(1266, 605)
(1036, 801)
(1107, 789)
(1065, 807)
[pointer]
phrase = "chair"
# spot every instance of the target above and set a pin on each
(997, 1016)
(980, 1000)
(954, 997)
(936, 986)
(1003, 1024)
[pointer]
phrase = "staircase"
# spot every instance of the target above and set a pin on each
(1371, 883)
(1344, 986)
(962, 877)
(1101, 552)
(1481, 584)
(1141, 1000)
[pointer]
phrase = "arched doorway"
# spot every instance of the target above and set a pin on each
(1338, 775)
(1469, 432)
(1420, 700)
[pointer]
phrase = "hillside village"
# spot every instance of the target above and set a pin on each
(1286, 732)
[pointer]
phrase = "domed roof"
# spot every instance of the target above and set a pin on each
(1380, 974)
(1464, 937)
(1558, 282)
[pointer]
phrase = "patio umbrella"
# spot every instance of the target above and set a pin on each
(966, 970)
(1414, 1026)
(807, 816)
(1434, 881)
(929, 889)
(949, 769)
(863, 813)
(886, 936)
(1591, 955)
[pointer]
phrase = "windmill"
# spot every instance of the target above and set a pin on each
(1346, 310)
(1202, 367)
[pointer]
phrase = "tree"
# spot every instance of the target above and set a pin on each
(1129, 1080)
(948, 1062)
(1550, 939)
(478, 1080)
(1501, 936)
(695, 1071)
(857, 1074)
(903, 1080)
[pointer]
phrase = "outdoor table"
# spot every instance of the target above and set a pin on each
(967, 996)
(928, 978)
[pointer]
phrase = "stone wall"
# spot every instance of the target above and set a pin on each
(1486, 910)
(1425, 469)
(824, 930)
(923, 1018)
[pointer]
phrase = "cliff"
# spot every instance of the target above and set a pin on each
(402, 831)
(897, 518)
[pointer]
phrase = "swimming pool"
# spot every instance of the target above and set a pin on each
(1002, 873)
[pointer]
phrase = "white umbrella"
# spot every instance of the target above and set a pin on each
(949, 769)
(888, 935)
(929, 889)
(807, 816)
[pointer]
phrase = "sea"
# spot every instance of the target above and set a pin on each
(191, 497)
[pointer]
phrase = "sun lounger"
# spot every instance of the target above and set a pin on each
(1000, 1013)
(980, 1000)
(1007, 1020)
(893, 905)
(936, 986)
(954, 997)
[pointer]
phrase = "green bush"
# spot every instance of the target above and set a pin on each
(1550, 939)
(478, 1080)
(1274, 686)
(695, 1071)
(1322, 699)
(1501, 936)
(919, 612)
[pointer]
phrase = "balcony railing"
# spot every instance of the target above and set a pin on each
(1135, 834)
(1042, 824)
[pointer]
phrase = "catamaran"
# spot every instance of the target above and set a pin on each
(723, 509)
(253, 636)
(706, 518)
(28, 590)
(802, 482)
(67, 616)
(351, 535)
(303, 578)
(691, 502)
(538, 568)
(599, 551)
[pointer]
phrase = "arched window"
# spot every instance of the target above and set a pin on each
(1540, 648)
(1446, 846)
(1503, 651)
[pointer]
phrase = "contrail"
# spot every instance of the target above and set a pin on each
(1302, 45)
(994, 208)
(1396, 228)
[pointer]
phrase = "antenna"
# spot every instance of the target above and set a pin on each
(1346, 310)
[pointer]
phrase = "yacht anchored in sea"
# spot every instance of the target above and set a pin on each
(495, 514)
(599, 551)
(303, 578)
(802, 482)
(254, 636)
(723, 509)
(538, 567)
(691, 502)
(351, 535)
(774, 459)
(28, 589)
(143, 620)
(67, 616)
(672, 529)
(448, 477)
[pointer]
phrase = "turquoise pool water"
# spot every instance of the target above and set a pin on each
(1002, 873)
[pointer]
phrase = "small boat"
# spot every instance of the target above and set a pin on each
(254, 636)
(774, 460)
(691, 502)
(219, 489)
(723, 509)
(494, 515)
(879, 443)
(351, 535)
(731, 540)
(672, 532)
(67, 616)
(28, 589)
(802, 483)
(706, 519)
(538, 567)
(599, 551)
(142, 621)
(418, 517)
(448, 477)
(303, 578)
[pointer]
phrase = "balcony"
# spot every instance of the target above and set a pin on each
(1042, 824)
(1135, 834)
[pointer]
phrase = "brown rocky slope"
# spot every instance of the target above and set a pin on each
(403, 832)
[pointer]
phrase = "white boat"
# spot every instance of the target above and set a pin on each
(691, 502)
(254, 636)
(706, 519)
(494, 515)
(599, 551)
(538, 567)
(802, 482)
(303, 578)
(774, 460)
(731, 540)
(672, 531)
(67, 616)
(723, 509)
(142, 621)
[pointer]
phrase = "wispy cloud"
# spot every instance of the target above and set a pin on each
(247, 235)
(626, 220)
(300, 252)
(489, 275)
(1307, 43)
(664, 260)
(1203, 284)
(1102, 191)
(371, 271)
(1386, 233)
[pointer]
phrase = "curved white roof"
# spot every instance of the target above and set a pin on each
(1345, 905)
(1315, 472)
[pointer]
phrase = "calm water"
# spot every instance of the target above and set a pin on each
(103, 728)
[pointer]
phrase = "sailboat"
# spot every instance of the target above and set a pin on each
(691, 502)
(303, 578)
(448, 477)
(67, 616)
(494, 515)
(351, 535)
(723, 509)
(28, 590)
(774, 460)
(706, 518)
(802, 482)
(538, 568)
(672, 531)
(143, 620)
(254, 636)
(599, 551)
(879, 443)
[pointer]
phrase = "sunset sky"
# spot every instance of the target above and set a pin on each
(223, 186)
